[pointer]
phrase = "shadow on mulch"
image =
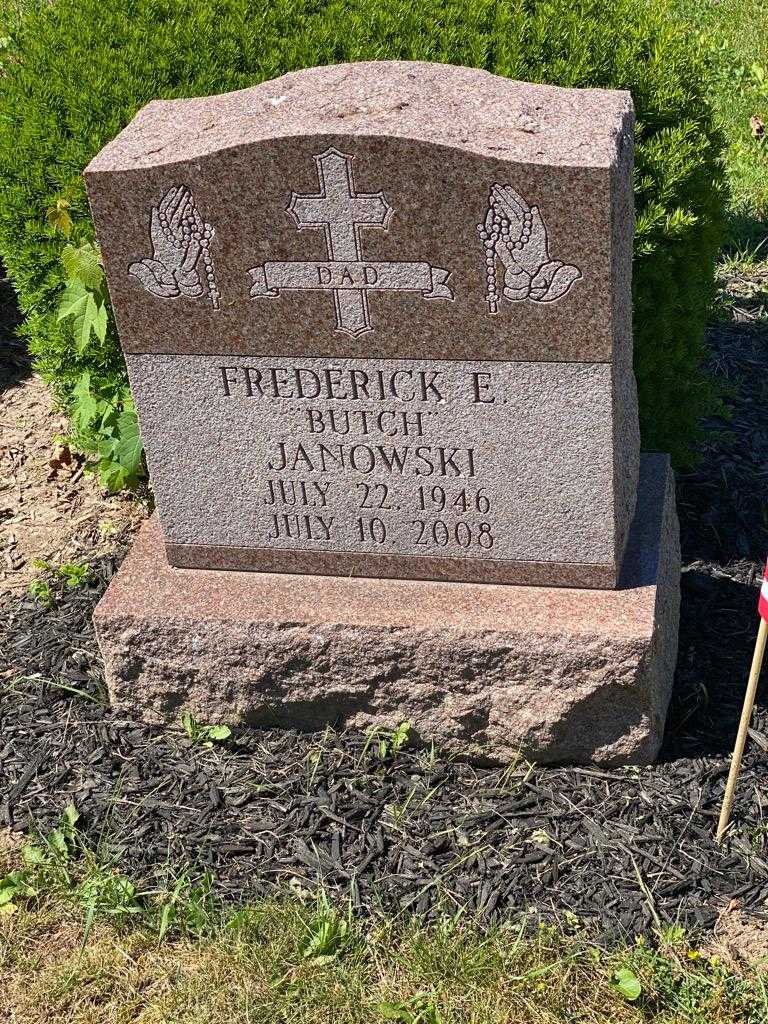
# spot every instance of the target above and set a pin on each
(626, 850)
(723, 509)
(718, 626)
(15, 363)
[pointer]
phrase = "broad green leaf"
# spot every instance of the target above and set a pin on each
(112, 476)
(33, 855)
(627, 983)
(83, 264)
(391, 1011)
(128, 449)
(73, 300)
(13, 879)
(100, 322)
(108, 426)
(58, 842)
(125, 887)
(85, 407)
(83, 324)
(71, 814)
(219, 732)
(80, 304)
(7, 893)
(107, 445)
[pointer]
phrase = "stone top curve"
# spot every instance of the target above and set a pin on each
(440, 104)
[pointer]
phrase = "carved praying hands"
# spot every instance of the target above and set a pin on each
(514, 232)
(180, 241)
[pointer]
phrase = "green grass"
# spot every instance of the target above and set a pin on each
(736, 31)
(83, 944)
(743, 278)
(285, 960)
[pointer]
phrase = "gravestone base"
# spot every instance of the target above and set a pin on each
(485, 671)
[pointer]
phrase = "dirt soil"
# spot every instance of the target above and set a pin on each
(51, 508)
(740, 936)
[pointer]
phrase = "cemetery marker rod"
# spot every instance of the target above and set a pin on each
(746, 711)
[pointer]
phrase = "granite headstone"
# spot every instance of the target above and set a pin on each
(377, 322)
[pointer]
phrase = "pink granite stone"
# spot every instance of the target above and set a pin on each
(433, 138)
(484, 671)
(374, 221)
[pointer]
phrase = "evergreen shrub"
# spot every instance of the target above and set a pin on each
(74, 72)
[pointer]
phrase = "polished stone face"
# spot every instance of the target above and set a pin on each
(429, 459)
(377, 321)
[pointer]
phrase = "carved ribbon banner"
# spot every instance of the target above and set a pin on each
(385, 276)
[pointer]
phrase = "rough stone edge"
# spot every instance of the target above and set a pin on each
(661, 657)
(484, 708)
(203, 124)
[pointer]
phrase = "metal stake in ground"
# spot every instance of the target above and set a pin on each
(746, 711)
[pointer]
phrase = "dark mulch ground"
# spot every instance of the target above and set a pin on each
(625, 849)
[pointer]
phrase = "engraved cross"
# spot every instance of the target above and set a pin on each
(341, 213)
